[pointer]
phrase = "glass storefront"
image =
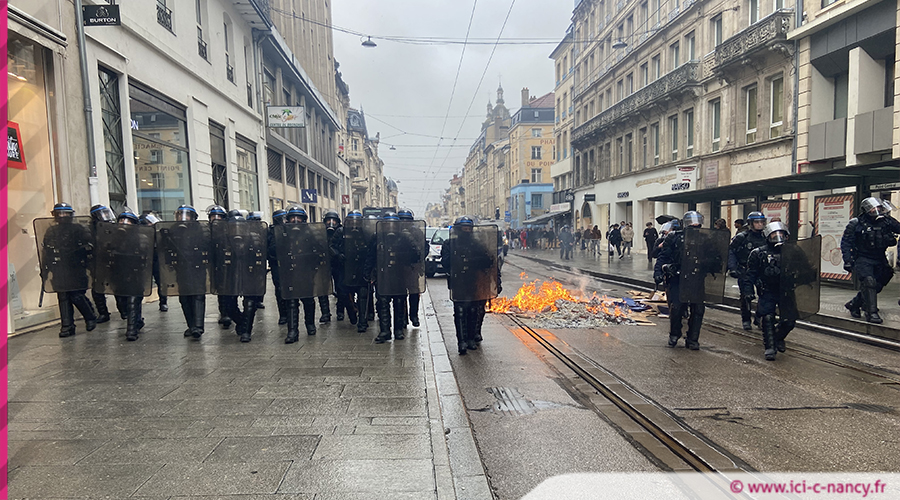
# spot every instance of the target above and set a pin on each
(161, 163)
(30, 186)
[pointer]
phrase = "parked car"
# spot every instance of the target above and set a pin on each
(435, 242)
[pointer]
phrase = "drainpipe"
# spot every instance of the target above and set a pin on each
(93, 181)
(798, 21)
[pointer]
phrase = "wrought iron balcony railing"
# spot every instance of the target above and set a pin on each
(677, 80)
(201, 48)
(164, 16)
(229, 71)
(772, 28)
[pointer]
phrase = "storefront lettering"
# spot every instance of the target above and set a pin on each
(681, 186)
(158, 168)
(532, 163)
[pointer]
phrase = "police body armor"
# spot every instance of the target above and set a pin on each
(123, 259)
(239, 257)
(65, 252)
(703, 260)
(184, 251)
(400, 257)
(304, 260)
(473, 263)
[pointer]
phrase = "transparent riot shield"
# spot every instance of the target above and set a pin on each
(184, 251)
(413, 232)
(359, 239)
(304, 260)
(64, 249)
(703, 265)
(238, 258)
(123, 259)
(800, 278)
(473, 263)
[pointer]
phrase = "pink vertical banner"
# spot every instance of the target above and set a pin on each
(4, 287)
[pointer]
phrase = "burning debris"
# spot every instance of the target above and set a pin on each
(554, 306)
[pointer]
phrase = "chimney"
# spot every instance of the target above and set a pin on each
(525, 100)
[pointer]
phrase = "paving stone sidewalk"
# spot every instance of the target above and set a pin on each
(333, 416)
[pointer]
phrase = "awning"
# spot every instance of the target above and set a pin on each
(541, 219)
(867, 176)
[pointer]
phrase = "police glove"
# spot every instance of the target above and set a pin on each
(848, 266)
(734, 274)
(658, 279)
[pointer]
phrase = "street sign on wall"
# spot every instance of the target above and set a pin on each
(309, 196)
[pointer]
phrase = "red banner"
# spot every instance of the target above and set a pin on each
(15, 157)
(345, 199)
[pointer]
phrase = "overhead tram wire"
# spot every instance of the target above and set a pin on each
(483, 73)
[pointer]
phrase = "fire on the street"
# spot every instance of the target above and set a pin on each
(557, 307)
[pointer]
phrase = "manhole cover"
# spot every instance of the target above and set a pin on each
(510, 402)
(870, 408)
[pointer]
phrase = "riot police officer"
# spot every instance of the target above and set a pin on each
(130, 305)
(738, 251)
(353, 248)
(277, 220)
(863, 246)
(389, 241)
(150, 219)
(257, 216)
(244, 319)
(344, 300)
(765, 271)
(332, 221)
(297, 215)
(185, 247)
(214, 213)
(68, 245)
(101, 213)
(668, 270)
(415, 235)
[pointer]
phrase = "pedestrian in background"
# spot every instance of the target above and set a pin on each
(739, 226)
(721, 224)
(650, 235)
(566, 240)
(596, 237)
(627, 233)
(615, 240)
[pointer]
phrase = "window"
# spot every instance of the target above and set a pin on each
(752, 113)
(273, 160)
(629, 153)
(354, 144)
(655, 67)
(779, 4)
(674, 56)
(111, 114)
(535, 132)
(217, 157)
(717, 30)
(247, 174)
(753, 7)
(229, 69)
(629, 84)
(620, 90)
(673, 134)
(889, 80)
(290, 172)
(715, 122)
(645, 75)
(689, 133)
(535, 152)
(645, 153)
(776, 108)
(690, 45)
(841, 88)
(537, 175)
(654, 142)
(268, 86)
(537, 200)
(620, 155)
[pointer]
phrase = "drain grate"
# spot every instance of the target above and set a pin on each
(510, 402)
(870, 407)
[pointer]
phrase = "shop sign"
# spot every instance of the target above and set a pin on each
(590, 197)
(101, 15)
(884, 187)
(559, 207)
(623, 194)
(285, 117)
(710, 174)
(309, 196)
(570, 196)
(14, 156)
(345, 199)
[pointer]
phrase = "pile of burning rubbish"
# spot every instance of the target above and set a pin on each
(551, 305)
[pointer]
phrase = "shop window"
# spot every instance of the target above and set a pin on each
(111, 115)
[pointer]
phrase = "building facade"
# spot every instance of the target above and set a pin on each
(561, 170)
(531, 148)
(485, 171)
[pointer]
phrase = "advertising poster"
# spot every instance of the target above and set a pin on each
(832, 215)
(773, 210)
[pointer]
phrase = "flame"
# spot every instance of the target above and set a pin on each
(523, 276)
(534, 298)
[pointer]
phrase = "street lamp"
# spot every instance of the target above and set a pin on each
(369, 43)
(620, 44)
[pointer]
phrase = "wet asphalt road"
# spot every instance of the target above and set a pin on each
(794, 414)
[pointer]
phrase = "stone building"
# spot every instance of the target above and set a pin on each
(368, 184)
(564, 66)
(486, 185)
(531, 145)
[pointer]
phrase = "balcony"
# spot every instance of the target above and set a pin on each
(201, 49)
(681, 79)
(766, 32)
(164, 17)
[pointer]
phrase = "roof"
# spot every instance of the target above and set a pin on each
(545, 101)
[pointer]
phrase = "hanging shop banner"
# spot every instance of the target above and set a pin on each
(833, 212)
(101, 15)
(15, 157)
(285, 117)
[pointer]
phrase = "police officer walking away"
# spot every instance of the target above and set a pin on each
(738, 252)
(277, 220)
(214, 213)
(863, 246)
(417, 241)
(64, 248)
(124, 259)
(100, 213)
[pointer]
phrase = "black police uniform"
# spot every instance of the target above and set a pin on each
(64, 235)
(345, 294)
(667, 270)
(764, 266)
(468, 317)
(738, 252)
(863, 247)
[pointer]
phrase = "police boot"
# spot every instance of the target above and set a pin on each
(479, 320)
(187, 309)
(745, 314)
(414, 309)
(370, 305)
(309, 316)
(66, 315)
(350, 304)
(855, 305)
(768, 334)
(133, 318)
(674, 325)
(384, 320)
(781, 332)
(461, 322)
(224, 320)
(293, 321)
(100, 303)
(870, 303)
(122, 306)
(250, 307)
(199, 310)
(339, 305)
(163, 303)
(324, 309)
(399, 317)
(695, 321)
(81, 302)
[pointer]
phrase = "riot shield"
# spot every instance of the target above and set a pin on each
(473, 263)
(184, 252)
(359, 237)
(413, 232)
(64, 248)
(239, 258)
(400, 260)
(703, 262)
(123, 259)
(800, 278)
(304, 260)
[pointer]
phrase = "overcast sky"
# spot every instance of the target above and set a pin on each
(405, 87)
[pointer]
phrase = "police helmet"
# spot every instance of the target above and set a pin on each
(692, 218)
(776, 233)
(128, 217)
(235, 215)
(255, 216)
(667, 227)
(405, 214)
(102, 213)
(465, 220)
(355, 214)
(296, 211)
(216, 212)
(754, 218)
(389, 216)
(185, 213)
(873, 207)
(62, 209)
(331, 219)
(149, 219)
(278, 216)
